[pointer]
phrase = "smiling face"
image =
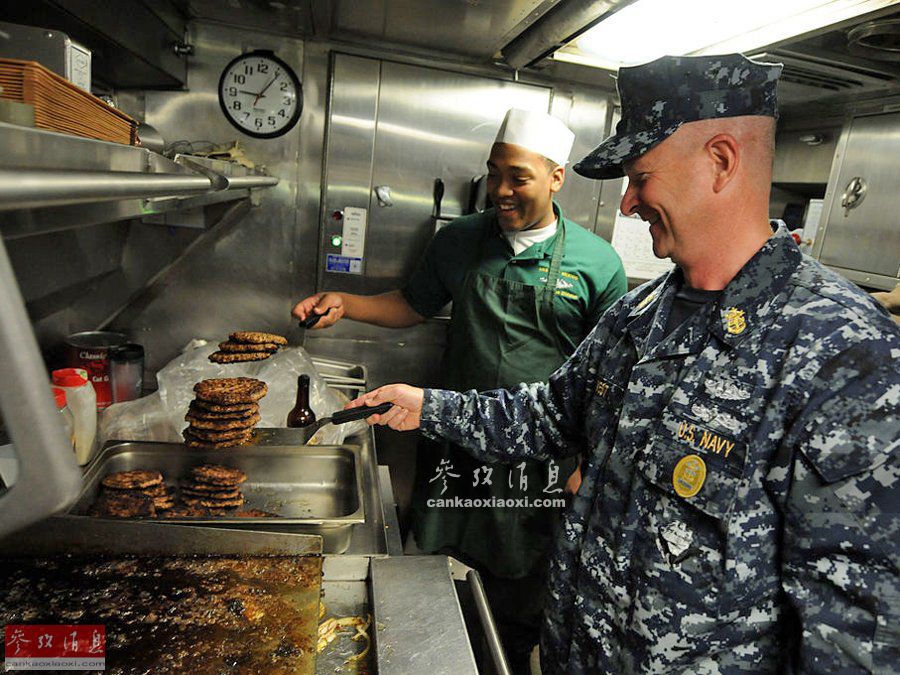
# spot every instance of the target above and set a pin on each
(521, 186)
(665, 188)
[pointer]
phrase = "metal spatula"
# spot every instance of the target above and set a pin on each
(344, 416)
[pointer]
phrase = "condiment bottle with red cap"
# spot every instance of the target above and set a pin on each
(65, 415)
(82, 402)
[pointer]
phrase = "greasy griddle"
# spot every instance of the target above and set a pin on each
(197, 614)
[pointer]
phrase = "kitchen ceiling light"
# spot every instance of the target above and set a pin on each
(648, 29)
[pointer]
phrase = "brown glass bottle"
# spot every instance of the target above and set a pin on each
(302, 415)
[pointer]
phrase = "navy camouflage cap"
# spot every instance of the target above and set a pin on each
(658, 97)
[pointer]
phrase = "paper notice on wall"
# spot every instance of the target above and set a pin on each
(354, 235)
(632, 241)
(811, 224)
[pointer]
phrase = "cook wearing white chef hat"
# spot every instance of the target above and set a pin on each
(526, 168)
(527, 285)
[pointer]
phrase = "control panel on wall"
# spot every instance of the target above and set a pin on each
(260, 94)
(348, 241)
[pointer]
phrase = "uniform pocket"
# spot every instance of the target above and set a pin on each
(695, 470)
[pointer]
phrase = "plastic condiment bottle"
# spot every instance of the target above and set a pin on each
(65, 415)
(82, 402)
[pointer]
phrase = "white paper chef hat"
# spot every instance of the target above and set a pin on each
(539, 132)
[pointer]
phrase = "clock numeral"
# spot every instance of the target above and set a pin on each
(236, 105)
(271, 120)
(239, 79)
(232, 91)
(284, 86)
(257, 122)
(282, 113)
(286, 100)
(248, 69)
(262, 67)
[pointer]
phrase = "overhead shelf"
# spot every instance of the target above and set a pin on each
(51, 181)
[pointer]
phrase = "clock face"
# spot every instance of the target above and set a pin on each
(260, 94)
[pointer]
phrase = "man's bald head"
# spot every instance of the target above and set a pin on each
(755, 136)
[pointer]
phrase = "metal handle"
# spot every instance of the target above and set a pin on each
(353, 414)
(438, 198)
(49, 477)
(498, 656)
(854, 194)
(312, 319)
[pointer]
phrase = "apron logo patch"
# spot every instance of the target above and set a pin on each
(734, 320)
(689, 476)
(602, 389)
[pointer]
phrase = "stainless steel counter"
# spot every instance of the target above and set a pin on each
(417, 624)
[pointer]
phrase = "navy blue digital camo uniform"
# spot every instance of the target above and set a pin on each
(739, 509)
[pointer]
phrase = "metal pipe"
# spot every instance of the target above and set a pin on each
(36, 188)
(556, 28)
(498, 656)
(243, 182)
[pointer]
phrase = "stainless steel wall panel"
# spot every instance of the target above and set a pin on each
(469, 28)
(424, 124)
(865, 238)
(241, 277)
(610, 191)
(587, 114)
(797, 161)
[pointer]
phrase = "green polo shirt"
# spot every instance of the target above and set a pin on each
(591, 277)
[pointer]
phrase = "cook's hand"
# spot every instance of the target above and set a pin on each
(320, 303)
(407, 411)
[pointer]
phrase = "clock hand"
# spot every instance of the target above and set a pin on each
(263, 92)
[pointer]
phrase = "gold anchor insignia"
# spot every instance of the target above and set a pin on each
(646, 301)
(735, 319)
(689, 476)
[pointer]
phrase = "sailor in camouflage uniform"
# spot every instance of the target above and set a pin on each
(738, 417)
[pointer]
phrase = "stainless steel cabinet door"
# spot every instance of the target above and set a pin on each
(862, 231)
(402, 126)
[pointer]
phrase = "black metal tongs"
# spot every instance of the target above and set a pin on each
(312, 319)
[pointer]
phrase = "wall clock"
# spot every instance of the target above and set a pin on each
(260, 94)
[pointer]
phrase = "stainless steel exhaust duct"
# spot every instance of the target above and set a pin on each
(560, 25)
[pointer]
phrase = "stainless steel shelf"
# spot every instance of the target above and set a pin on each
(51, 182)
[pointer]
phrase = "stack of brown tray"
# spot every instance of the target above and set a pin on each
(61, 106)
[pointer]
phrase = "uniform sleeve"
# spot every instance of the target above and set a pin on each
(842, 520)
(425, 291)
(540, 420)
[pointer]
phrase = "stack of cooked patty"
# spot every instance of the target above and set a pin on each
(247, 346)
(133, 494)
(224, 412)
(214, 487)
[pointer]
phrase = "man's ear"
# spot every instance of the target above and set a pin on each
(557, 178)
(724, 151)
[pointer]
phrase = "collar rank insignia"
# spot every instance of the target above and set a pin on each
(734, 318)
(646, 301)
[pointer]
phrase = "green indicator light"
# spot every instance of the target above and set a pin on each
(336, 240)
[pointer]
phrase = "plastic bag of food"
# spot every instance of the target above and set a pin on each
(160, 416)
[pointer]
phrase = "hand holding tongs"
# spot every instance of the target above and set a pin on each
(313, 319)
